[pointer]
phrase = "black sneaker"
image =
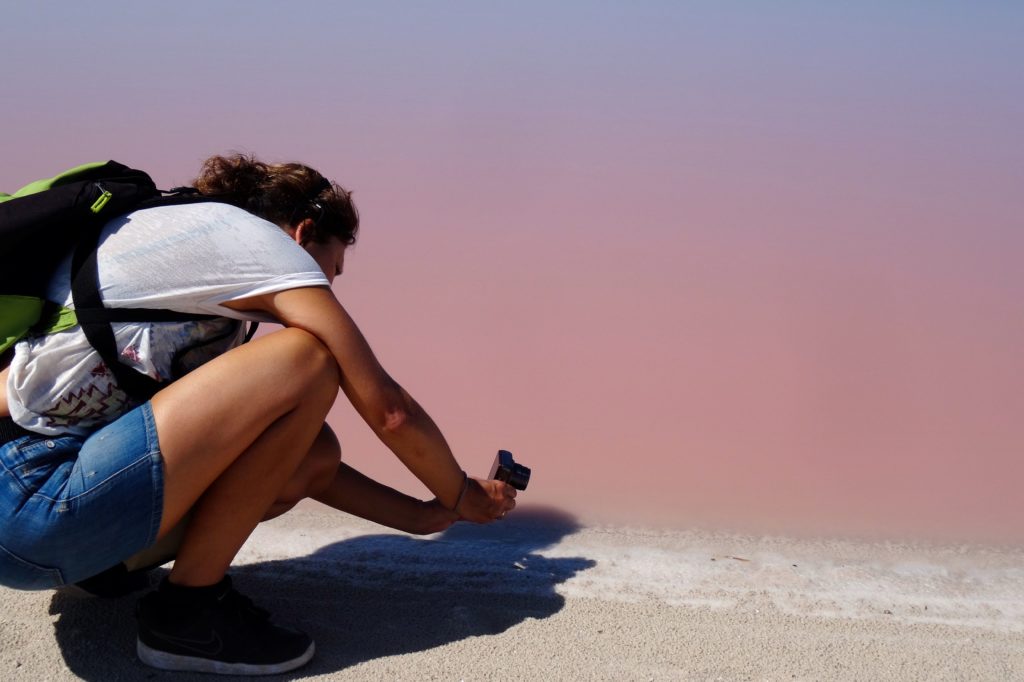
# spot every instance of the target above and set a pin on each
(219, 633)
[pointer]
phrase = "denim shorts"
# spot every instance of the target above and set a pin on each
(73, 506)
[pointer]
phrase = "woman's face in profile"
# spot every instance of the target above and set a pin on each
(329, 255)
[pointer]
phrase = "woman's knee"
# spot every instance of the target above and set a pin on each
(310, 362)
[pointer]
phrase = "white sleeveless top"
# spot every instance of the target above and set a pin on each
(190, 258)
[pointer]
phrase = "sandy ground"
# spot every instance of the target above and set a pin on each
(537, 597)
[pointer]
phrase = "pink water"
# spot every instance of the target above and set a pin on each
(800, 375)
(748, 266)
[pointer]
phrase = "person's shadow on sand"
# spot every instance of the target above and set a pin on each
(366, 597)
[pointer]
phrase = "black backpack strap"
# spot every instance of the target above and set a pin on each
(86, 295)
(108, 315)
(95, 319)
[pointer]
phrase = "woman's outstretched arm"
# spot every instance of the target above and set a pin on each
(393, 415)
(355, 493)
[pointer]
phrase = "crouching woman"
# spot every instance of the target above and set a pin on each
(90, 478)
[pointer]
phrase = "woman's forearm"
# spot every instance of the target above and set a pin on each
(360, 495)
(400, 423)
(418, 442)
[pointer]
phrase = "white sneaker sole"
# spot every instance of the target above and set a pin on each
(166, 661)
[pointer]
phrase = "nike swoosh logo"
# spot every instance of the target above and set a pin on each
(211, 646)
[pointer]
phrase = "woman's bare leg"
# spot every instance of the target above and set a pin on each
(324, 477)
(315, 473)
(232, 434)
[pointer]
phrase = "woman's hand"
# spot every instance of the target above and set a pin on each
(486, 500)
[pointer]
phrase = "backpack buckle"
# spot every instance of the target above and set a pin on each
(104, 197)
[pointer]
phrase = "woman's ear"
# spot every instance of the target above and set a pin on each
(303, 232)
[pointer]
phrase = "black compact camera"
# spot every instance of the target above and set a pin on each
(505, 469)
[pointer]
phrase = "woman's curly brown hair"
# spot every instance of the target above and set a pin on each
(283, 193)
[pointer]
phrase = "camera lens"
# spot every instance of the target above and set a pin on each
(519, 476)
(505, 469)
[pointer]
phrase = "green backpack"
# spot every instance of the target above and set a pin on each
(41, 223)
(46, 220)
